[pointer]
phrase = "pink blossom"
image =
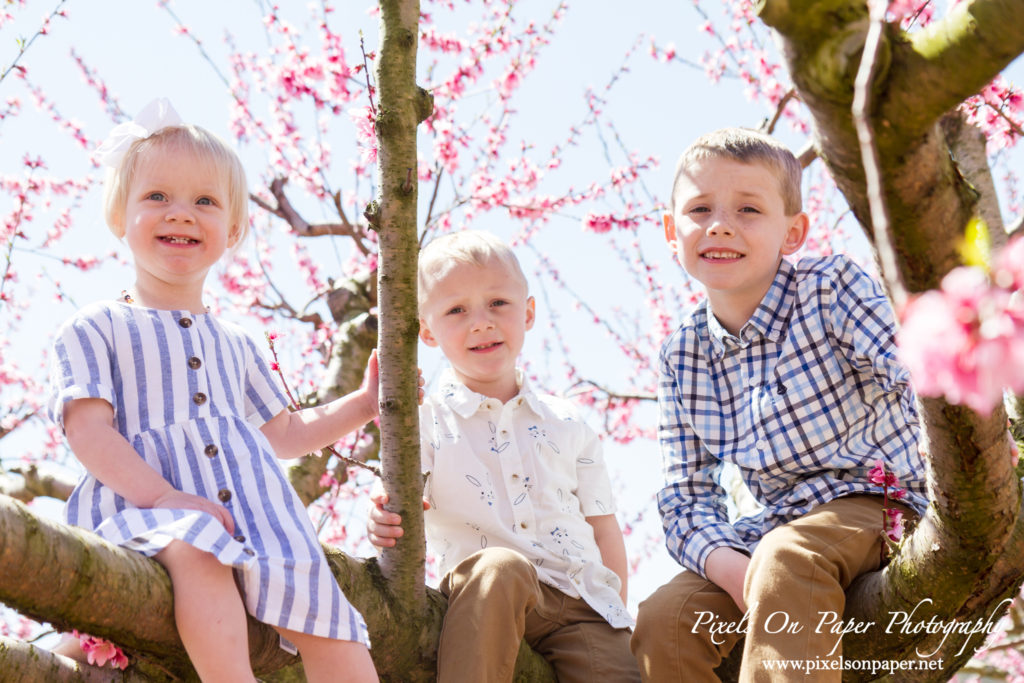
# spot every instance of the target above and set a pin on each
(894, 528)
(880, 476)
(98, 651)
(966, 341)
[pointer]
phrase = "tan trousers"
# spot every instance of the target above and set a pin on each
(495, 601)
(794, 590)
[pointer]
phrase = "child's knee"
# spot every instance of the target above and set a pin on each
(179, 555)
(493, 568)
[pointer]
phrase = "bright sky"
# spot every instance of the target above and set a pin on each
(131, 45)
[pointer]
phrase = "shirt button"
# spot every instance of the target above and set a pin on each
(240, 538)
(211, 451)
(522, 525)
(224, 495)
(199, 398)
(515, 477)
(249, 551)
(185, 322)
(194, 363)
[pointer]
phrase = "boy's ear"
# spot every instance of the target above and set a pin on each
(670, 229)
(425, 334)
(531, 313)
(796, 233)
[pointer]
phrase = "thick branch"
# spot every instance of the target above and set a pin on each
(33, 481)
(73, 579)
(950, 60)
(21, 662)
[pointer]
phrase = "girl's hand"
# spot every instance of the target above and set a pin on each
(178, 500)
(371, 382)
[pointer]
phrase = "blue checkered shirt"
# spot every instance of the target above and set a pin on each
(804, 401)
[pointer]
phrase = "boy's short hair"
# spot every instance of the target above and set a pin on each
(199, 141)
(473, 247)
(749, 147)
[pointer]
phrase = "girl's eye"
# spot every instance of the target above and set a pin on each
(156, 196)
(455, 310)
(204, 201)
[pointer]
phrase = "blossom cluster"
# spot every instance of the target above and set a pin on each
(965, 341)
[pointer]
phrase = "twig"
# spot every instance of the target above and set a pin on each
(862, 104)
(366, 72)
(770, 128)
(295, 404)
(807, 155)
(433, 195)
(612, 395)
(25, 45)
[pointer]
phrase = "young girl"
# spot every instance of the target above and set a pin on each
(178, 419)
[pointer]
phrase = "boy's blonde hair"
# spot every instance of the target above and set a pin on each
(186, 137)
(747, 146)
(473, 247)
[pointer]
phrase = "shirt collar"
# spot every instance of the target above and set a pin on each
(467, 402)
(768, 320)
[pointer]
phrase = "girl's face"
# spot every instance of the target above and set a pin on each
(177, 219)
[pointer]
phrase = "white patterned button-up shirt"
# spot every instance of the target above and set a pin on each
(522, 475)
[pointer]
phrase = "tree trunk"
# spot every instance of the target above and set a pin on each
(402, 106)
(964, 558)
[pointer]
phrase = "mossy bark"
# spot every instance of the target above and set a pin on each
(964, 558)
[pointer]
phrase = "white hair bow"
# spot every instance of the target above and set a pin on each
(156, 115)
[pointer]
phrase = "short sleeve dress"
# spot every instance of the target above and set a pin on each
(189, 393)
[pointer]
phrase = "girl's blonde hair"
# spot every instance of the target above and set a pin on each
(472, 247)
(186, 137)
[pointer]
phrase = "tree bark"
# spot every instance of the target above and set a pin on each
(73, 579)
(965, 555)
(400, 111)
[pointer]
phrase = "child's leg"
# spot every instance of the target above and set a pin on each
(684, 630)
(71, 647)
(797, 578)
(324, 658)
(209, 613)
(577, 641)
(489, 594)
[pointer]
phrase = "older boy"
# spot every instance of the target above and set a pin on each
(790, 373)
(520, 506)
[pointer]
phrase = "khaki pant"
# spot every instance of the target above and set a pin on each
(495, 601)
(794, 590)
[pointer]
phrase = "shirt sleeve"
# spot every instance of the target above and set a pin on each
(692, 502)
(264, 395)
(80, 366)
(594, 485)
(864, 330)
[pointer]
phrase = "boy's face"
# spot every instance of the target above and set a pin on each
(479, 316)
(730, 230)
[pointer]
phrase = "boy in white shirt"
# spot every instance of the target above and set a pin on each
(520, 506)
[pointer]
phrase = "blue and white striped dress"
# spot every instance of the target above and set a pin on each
(189, 393)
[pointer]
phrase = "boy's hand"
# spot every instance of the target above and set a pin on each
(178, 500)
(384, 528)
(727, 568)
